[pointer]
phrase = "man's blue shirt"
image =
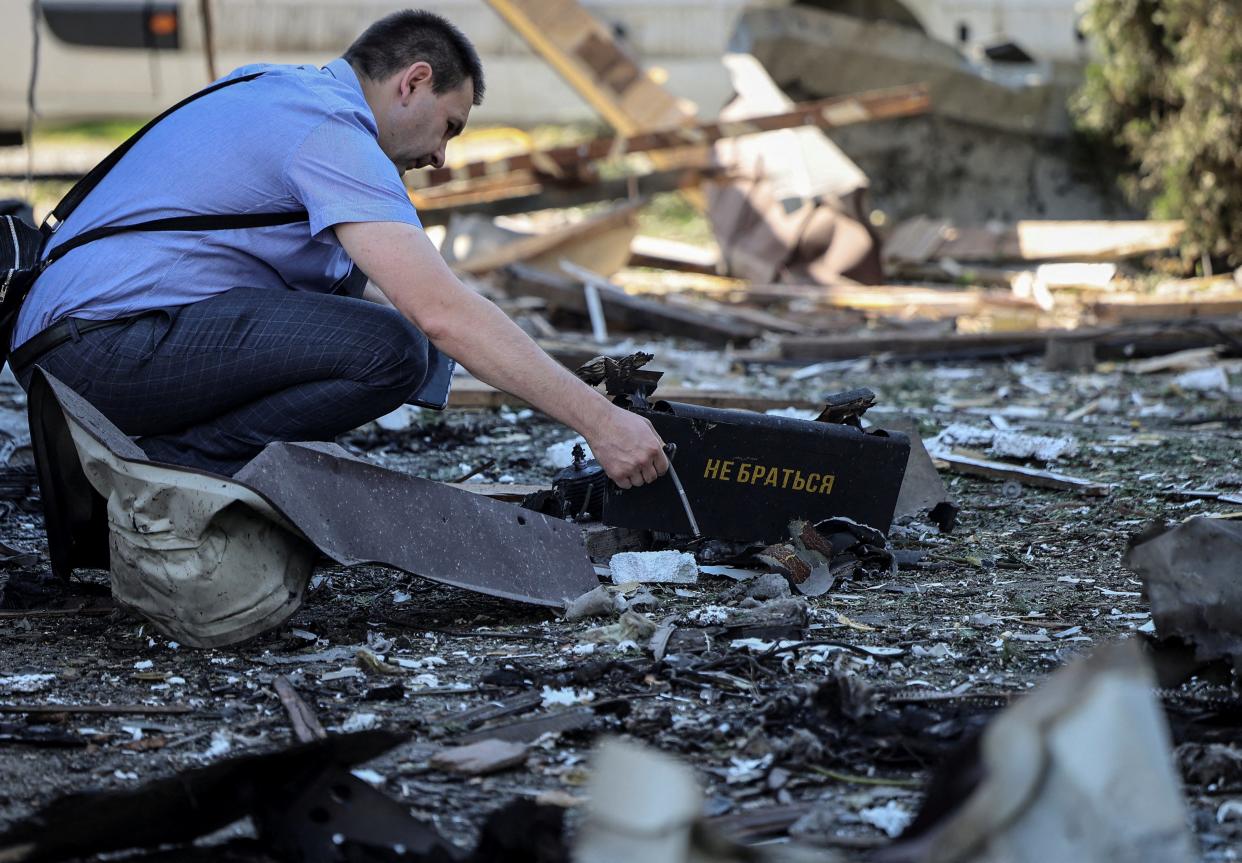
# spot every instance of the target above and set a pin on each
(298, 137)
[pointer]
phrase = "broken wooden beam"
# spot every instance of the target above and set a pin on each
(905, 300)
(506, 200)
(764, 320)
(602, 541)
(100, 709)
(1002, 472)
(920, 240)
(88, 611)
(583, 51)
(627, 312)
(911, 346)
(509, 492)
(481, 193)
(663, 254)
(306, 725)
(603, 236)
(1120, 342)
(469, 393)
(824, 113)
(1116, 310)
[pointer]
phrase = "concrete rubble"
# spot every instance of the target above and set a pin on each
(654, 567)
(1190, 574)
(949, 574)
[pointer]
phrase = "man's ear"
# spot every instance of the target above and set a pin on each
(415, 76)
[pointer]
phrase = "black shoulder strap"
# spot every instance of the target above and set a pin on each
(83, 187)
(176, 223)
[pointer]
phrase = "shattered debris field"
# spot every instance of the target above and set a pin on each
(820, 718)
(945, 568)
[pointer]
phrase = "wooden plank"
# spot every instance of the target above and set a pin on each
(584, 53)
(910, 345)
(476, 194)
(469, 393)
(924, 239)
(1182, 361)
(1115, 310)
(306, 725)
(519, 197)
(472, 394)
(593, 238)
(508, 492)
(823, 113)
(1002, 471)
(1131, 340)
(1089, 241)
(100, 709)
(665, 254)
(627, 312)
(602, 541)
(904, 300)
(916, 241)
(582, 50)
(734, 401)
(763, 320)
(572, 355)
(974, 275)
(467, 719)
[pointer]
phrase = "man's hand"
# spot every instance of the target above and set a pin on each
(628, 449)
(408, 270)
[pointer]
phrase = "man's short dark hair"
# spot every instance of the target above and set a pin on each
(403, 38)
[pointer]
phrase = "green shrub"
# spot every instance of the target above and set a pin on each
(1166, 88)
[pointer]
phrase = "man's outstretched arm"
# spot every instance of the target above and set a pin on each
(406, 267)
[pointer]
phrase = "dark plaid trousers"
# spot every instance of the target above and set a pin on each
(208, 385)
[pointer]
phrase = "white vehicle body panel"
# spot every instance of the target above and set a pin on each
(685, 39)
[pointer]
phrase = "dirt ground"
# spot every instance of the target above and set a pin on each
(1029, 579)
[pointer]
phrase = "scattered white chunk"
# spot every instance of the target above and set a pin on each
(26, 683)
(221, 744)
(561, 454)
(359, 722)
(892, 818)
(402, 419)
(654, 567)
(566, 696)
(1207, 380)
(370, 777)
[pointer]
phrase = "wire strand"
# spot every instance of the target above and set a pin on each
(36, 15)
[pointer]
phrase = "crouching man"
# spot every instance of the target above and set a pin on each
(206, 345)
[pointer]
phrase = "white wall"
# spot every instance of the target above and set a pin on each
(1046, 29)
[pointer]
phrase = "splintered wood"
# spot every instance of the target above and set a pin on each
(583, 52)
(560, 161)
(920, 240)
(1074, 292)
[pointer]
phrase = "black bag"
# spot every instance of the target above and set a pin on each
(22, 257)
(21, 246)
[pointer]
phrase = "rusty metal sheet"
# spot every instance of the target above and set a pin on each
(356, 512)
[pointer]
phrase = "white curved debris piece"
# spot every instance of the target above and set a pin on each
(204, 558)
(213, 560)
(1080, 769)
